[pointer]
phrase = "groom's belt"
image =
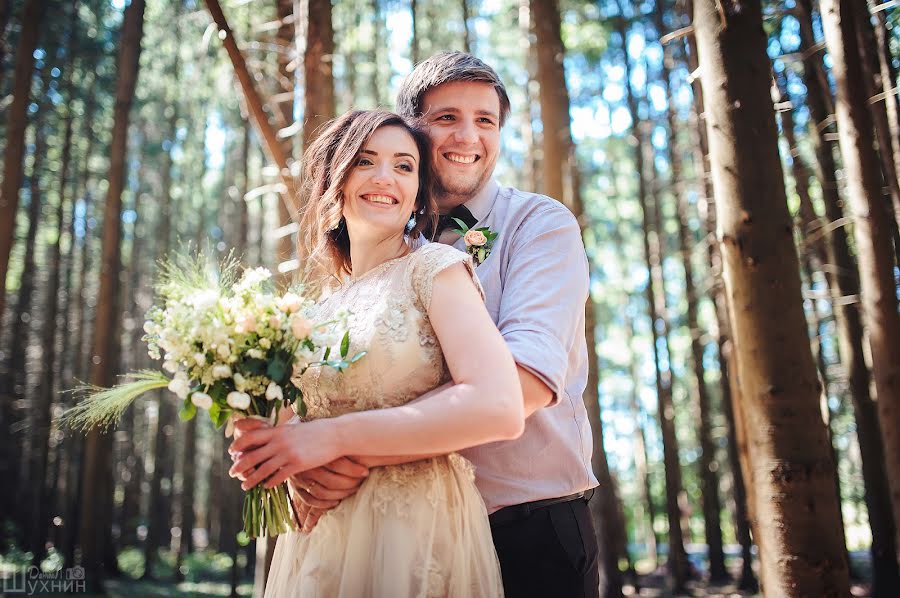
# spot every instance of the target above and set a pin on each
(524, 510)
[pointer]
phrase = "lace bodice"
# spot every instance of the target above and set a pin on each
(389, 320)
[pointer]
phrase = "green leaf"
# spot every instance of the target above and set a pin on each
(358, 356)
(302, 408)
(462, 226)
(214, 411)
(222, 417)
(327, 353)
(254, 366)
(277, 371)
(481, 255)
(345, 344)
(188, 411)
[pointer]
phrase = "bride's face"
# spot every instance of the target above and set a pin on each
(380, 192)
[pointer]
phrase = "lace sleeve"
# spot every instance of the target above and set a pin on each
(431, 260)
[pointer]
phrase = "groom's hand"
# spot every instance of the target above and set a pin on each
(318, 490)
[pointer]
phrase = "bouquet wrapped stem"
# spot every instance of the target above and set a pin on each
(231, 346)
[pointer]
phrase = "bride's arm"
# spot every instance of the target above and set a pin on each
(483, 405)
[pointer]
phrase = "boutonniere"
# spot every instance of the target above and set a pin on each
(479, 241)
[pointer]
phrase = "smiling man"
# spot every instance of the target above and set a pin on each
(535, 280)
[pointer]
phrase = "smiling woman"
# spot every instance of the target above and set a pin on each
(369, 173)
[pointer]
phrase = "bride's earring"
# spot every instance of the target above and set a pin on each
(411, 223)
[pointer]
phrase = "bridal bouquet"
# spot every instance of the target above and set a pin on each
(231, 347)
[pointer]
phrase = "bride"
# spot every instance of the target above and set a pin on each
(414, 528)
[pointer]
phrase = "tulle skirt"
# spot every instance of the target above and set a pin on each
(413, 530)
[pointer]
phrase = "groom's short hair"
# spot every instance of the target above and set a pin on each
(447, 67)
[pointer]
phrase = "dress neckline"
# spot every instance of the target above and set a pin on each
(382, 266)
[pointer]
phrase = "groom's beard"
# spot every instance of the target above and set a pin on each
(452, 191)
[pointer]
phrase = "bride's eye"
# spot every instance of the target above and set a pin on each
(405, 167)
(363, 162)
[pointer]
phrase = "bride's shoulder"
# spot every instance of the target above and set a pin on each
(432, 254)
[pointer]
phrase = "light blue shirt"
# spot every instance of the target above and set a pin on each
(536, 285)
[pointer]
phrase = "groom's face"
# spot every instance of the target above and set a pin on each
(463, 120)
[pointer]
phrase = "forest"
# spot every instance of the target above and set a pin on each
(734, 166)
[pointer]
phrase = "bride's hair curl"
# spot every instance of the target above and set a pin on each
(323, 243)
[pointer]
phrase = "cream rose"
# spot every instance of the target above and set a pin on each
(238, 400)
(201, 400)
(300, 326)
(475, 238)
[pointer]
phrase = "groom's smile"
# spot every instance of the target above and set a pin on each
(463, 120)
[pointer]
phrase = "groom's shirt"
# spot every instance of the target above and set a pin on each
(536, 284)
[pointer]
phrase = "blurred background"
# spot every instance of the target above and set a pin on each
(129, 129)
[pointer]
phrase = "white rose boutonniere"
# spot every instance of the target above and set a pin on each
(479, 241)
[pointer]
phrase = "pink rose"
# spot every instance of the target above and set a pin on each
(300, 327)
(475, 238)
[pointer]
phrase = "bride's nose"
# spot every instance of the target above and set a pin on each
(382, 176)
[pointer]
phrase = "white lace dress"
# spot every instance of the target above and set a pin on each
(418, 529)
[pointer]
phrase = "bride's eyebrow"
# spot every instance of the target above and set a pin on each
(397, 155)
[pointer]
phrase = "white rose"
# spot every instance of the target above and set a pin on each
(274, 392)
(239, 381)
(245, 323)
(221, 371)
(223, 350)
(265, 343)
(179, 385)
(201, 400)
(170, 366)
(256, 353)
(238, 400)
(200, 359)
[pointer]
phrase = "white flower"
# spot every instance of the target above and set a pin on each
(180, 385)
(170, 366)
(150, 327)
(289, 303)
(239, 381)
(220, 371)
(223, 350)
(200, 359)
(201, 400)
(256, 353)
(251, 278)
(274, 392)
(203, 300)
(265, 343)
(238, 400)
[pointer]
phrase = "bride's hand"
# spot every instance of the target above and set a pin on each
(325, 486)
(276, 453)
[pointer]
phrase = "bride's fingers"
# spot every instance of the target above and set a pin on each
(247, 461)
(263, 472)
(252, 439)
(317, 503)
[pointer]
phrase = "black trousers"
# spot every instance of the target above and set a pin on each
(551, 553)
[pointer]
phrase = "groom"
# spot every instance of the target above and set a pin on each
(536, 284)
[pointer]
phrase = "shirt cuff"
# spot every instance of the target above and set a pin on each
(542, 354)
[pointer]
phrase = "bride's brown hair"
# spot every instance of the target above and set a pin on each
(323, 243)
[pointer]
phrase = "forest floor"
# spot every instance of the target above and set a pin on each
(206, 575)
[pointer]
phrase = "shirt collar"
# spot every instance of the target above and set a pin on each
(483, 201)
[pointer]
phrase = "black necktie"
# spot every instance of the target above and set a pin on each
(444, 221)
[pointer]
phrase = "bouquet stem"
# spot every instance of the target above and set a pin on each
(267, 511)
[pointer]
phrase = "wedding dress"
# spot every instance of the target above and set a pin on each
(413, 530)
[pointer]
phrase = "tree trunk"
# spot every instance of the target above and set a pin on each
(374, 58)
(414, 43)
(467, 34)
(319, 97)
(559, 152)
(678, 564)
(888, 81)
(96, 502)
(870, 221)
(187, 518)
(795, 507)
(16, 121)
(711, 504)
(284, 109)
(254, 102)
(870, 70)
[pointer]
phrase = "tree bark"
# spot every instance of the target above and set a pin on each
(96, 502)
(414, 42)
(284, 109)
(795, 507)
(319, 97)
(16, 121)
(187, 517)
(559, 157)
(677, 560)
(871, 232)
(254, 102)
(711, 504)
